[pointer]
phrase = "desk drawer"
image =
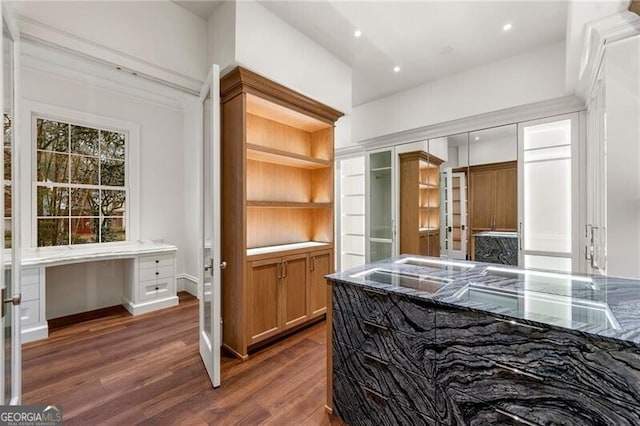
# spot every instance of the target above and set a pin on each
(159, 261)
(29, 312)
(30, 276)
(156, 289)
(160, 273)
(30, 292)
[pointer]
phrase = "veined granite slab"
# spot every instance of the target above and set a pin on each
(576, 299)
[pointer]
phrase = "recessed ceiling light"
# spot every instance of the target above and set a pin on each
(357, 33)
(396, 69)
(507, 27)
(477, 138)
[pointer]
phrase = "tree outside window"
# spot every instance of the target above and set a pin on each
(81, 184)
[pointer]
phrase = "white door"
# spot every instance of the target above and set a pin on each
(209, 290)
(10, 356)
(456, 206)
(381, 205)
(546, 192)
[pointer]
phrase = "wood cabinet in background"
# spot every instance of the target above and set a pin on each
(493, 197)
(277, 187)
(321, 264)
(419, 203)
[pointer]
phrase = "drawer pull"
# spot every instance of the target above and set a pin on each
(519, 324)
(374, 325)
(377, 395)
(157, 273)
(374, 291)
(375, 359)
(157, 261)
(514, 417)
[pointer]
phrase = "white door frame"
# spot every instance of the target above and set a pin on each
(462, 253)
(210, 347)
(15, 261)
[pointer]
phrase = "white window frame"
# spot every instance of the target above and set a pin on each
(33, 110)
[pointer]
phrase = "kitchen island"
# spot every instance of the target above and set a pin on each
(419, 340)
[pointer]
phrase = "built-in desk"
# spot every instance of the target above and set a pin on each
(149, 278)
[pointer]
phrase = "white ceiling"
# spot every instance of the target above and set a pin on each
(202, 8)
(415, 35)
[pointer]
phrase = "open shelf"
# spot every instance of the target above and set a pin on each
(285, 158)
(428, 185)
(285, 247)
(289, 204)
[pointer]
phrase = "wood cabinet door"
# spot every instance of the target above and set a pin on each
(294, 290)
(263, 299)
(319, 265)
(482, 187)
(506, 210)
(433, 244)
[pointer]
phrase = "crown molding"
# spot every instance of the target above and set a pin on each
(598, 35)
(533, 111)
(348, 152)
(63, 65)
(31, 29)
(241, 80)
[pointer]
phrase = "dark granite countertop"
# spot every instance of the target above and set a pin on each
(605, 307)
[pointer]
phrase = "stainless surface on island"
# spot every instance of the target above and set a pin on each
(532, 348)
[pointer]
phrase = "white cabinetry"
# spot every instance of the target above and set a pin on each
(149, 281)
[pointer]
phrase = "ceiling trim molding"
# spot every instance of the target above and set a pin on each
(348, 152)
(598, 35)
(116, 85)
(536, 110)
(31, 29)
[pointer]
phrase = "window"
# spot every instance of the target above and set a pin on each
(81, 189)
(8, 126)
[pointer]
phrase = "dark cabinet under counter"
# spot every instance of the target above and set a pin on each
(406, 358)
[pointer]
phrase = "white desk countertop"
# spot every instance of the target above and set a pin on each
(64, 255)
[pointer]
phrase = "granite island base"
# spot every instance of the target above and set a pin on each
(423, 341)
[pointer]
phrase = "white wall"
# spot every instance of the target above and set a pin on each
(161, 170)
(157, 37)
(530, 77)
(269, 46)
(622, 68)
(221, 36)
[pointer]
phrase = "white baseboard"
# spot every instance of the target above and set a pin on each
(153, 305)
(187, 283)
(34, 333)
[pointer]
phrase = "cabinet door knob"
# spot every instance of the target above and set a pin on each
(157, 261)
(157, 273)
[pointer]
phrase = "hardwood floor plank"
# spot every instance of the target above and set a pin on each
(125, 370)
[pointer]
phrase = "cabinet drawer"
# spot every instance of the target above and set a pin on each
(357, 405)
(152, 274)
(29, 312)
(30, 276)
(527, 396)
(367, 303)
(156, 289)
(409, 352)
(413, 316)
(408, 389)
(159, 261)
(463, 409)
(30, 292)
(550, 354)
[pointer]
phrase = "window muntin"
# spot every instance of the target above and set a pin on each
(81, 183)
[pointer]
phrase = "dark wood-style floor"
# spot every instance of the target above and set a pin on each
(128, 370)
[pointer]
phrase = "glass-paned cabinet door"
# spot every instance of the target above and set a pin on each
(546, 219)
(380, 205)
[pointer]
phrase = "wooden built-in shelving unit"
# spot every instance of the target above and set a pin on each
(420, 203)
(278, 217)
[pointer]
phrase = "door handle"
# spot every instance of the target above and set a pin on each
(15, 300)
(223, 265)
(279, 269)
(209, 266)
(313, 263)
(521, 236)
(284, 269)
